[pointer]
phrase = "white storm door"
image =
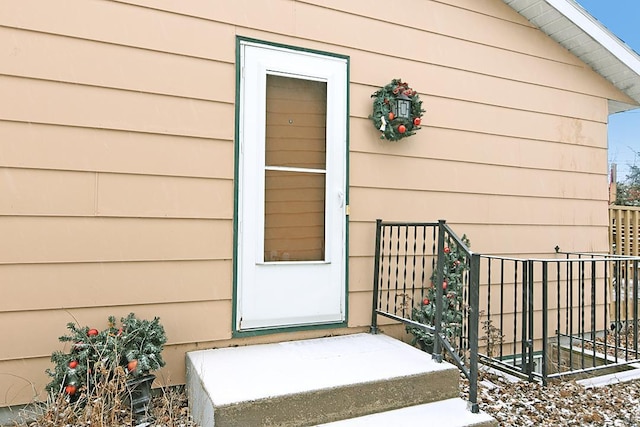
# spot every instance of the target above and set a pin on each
(292, 185)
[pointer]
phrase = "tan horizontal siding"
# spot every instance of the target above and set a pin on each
(48, 325)
(451, 20)
(84, 106)
(472, 147)
(94, 63)
(470, 87)
(501, 239)
(474, 117)
(86, 194)
(456, 21)
(473, 56)
(50, 239)
(28, 145)
(117, 66)
(360, 309)
(84, 285)
(391, 172)
(584, 148)
(23, 380)
(360, 274)
(67, 193)
(167, 197)
(489, 61)
(136, 26)
(490, 209)
(487, 9)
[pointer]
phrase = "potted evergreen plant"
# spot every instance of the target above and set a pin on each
(102, 359)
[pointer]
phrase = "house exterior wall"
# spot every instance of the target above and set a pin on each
(117, 154)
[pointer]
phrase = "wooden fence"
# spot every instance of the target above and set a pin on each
(624, 224)
(624, 239)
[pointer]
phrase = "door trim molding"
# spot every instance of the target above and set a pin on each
(236, 194)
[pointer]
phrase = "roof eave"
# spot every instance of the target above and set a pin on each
(596, 45)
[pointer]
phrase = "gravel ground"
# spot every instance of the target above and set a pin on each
(558, 404)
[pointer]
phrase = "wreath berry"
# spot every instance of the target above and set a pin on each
(384, 116)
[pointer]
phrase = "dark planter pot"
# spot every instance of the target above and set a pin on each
(139, 390)
(428, 347)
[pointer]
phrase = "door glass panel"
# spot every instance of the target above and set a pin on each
(294, 198)
(294, 216)
(296, 122)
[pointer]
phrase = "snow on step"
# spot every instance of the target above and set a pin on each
(613, 378)
(450, 413)
(311, 381)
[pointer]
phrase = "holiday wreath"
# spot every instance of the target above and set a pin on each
(397, 110)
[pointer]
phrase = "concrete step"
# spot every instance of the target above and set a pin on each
(450, 413)
(612, 378)
(301, 383)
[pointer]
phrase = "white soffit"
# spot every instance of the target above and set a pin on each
(569, 24)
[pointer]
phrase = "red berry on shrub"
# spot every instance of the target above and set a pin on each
(92, 332)
(425, 301)
(73, 364)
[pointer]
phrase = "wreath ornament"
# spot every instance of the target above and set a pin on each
(397, 110)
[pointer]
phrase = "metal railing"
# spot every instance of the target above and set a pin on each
(410, 266)
(552, 318)
(540, 319)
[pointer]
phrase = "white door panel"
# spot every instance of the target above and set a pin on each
(291, 245)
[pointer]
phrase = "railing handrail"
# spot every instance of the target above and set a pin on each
(410, 224)
(600, 254)
(562, 260)
(441, 341)
(457, 239)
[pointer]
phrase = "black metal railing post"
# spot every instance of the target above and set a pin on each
(545, 319)
(437, 351)
(594, 273)
(524, 337)
(530, 333)
(474, 324)
(376, 278)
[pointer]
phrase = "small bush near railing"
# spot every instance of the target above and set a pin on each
(493, 338)
(455, 266)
